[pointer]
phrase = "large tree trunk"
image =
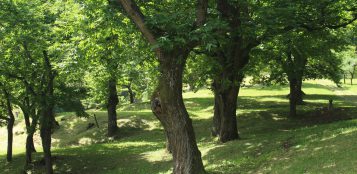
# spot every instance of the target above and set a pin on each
(224, 118)
(10, 126)
(293, 98)
(169, 108)
(226, 87)
(299, 93)
(112, 106)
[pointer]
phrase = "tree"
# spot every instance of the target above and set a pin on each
(36, 53)
(172, 44)
(109, 51)
(296, 56)
(253, 23)
(10, 119)
(349, 62)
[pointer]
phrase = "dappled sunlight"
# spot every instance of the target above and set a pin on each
(270, 140)
(203, 93)
(340, 132)
(157, 155)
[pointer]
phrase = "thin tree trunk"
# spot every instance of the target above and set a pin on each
(47, 113)
(344, 78)
(292, 98)
(112, 105)
(10, 126)
(169, 108)
(28, 110)
(131, 94)
(96, 121)
(30, 148)
(46, 145)
(29, 139)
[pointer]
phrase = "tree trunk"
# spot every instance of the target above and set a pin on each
(293, 98)
(344, 78)
(29, 139)
(169, 108)
(131, 93)
(10, 125)
(299, 93)
(46, 145)
(112, 106)
(224, 118)
(47, 112)
(226, 87)
(30, 148)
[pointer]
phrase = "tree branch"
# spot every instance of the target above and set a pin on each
(344, 24)
(4, 118)
(138, 18)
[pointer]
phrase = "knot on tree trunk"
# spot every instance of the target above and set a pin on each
(156, 105)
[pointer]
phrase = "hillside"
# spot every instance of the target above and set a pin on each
(270, 142)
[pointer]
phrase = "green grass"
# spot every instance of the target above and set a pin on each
(271, 142)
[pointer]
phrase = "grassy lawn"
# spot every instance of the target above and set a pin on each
(270, 141)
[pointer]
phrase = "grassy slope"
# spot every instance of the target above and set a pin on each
(270, 143)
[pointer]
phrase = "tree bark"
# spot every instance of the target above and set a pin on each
(131, 94)
(30, 148)
(226, 87)
(10, 126)
(224, 118)
(169, 108)
(29, 139)
(299, 93)
(46, 145)
(112, 103)
(47, 112)
(28, 110)
(293, 98)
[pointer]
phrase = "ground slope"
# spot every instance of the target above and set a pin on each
(271, 142)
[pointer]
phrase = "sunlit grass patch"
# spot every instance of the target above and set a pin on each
(271, 142)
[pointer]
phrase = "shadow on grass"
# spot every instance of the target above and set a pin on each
(262, 122)
(123, 158)
(278, 153)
